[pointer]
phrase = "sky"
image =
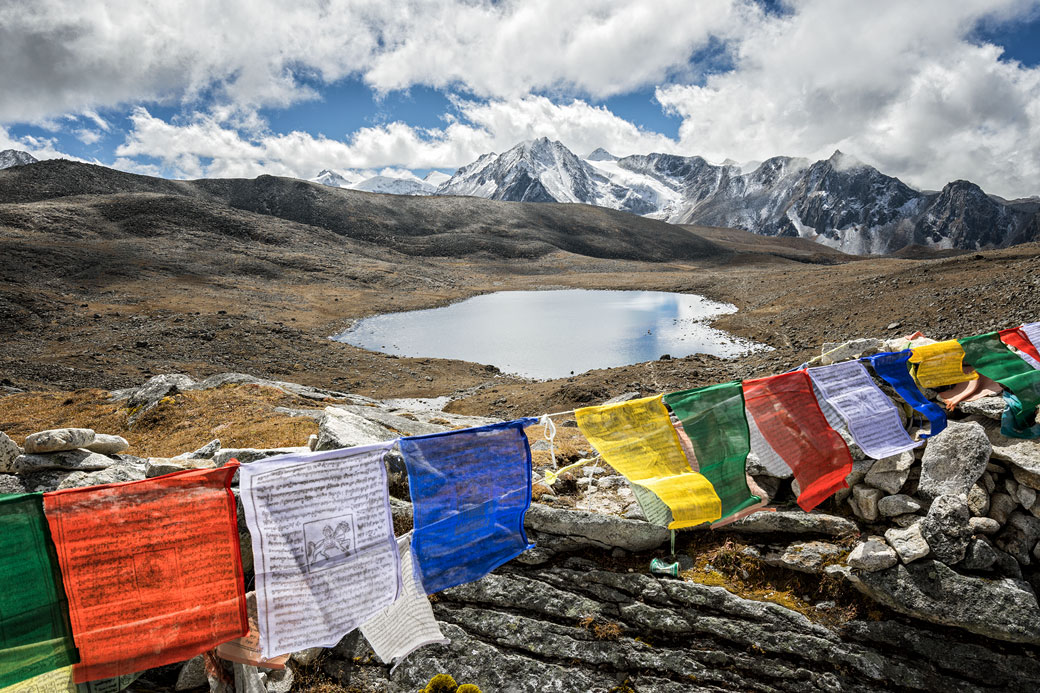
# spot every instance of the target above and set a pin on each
(929, 91)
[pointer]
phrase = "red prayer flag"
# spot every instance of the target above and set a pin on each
(789, 418)
(152, 569)
(1016, 337)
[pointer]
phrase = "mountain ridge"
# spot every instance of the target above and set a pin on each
(840, 201)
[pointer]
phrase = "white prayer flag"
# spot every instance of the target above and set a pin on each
(323, 544)
(408, 623)
(872, 418)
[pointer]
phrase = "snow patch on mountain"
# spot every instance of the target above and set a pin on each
(394, 186)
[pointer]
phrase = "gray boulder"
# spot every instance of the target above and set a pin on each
(872, 555)
(1001, 609)
(983, 525)
(954, 460)
(890, 473)
(909, 543)
(140, 400)
(756, 469)
(106, 444)
(72, 460)
(157, 466)
(191, 675)
(1000, 506)
(900, 504)
(792, 522)
(1023, 456)
(9, 450)
(946, 528)
(124, 470)
(58, 440)
(978, 500)
(340, 428)
(846, 351)
(989, 407)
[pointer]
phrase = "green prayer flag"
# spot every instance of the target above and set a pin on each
(35, 634)
(987, 354)
(714, 420)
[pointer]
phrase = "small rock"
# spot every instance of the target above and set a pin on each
(890, 473)
(864, 502)
(279, 680)
(905, 521)
(206, 452)
(10, 483)
(978, 501)
(833, 353)
(107, 444)
(808, 556)
(900, 504)
(954, 460)
(58, 440)
(872, 555)
(1026, 496)
(979, 556)
(1019, 537)
(983, 525)
(894, 326)
(908, 543)
(755, 468)
(1011, 486)
(988, 482)
(192, 675)
(308, 656)
(946, 528)
(312, 441)
(1000, 506)
(247, 455)
(73, 460)
(623, 397)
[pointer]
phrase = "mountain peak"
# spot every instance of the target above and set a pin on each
(14, 157)
(601, 154)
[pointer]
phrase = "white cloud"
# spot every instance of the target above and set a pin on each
(88, 136)
(39, 147)
(479, 127)
(896, 84)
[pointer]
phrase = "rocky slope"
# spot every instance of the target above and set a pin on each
(839, 202)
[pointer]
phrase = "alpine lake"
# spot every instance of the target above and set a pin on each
(554, 334)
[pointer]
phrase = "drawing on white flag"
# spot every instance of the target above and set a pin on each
(323, 544)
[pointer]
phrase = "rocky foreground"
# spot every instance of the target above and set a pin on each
(944, 554)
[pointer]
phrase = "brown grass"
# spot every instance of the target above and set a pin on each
(600, 629)
(239, 415)
(724, 563)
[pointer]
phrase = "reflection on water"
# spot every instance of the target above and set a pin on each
(551, 334)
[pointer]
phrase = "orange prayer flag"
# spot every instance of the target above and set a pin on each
(152, 569)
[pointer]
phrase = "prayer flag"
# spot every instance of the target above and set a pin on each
(470, 490)
(989, 356)
(941, 364)
(1032, 332)
(323, 544)
(892, 368)
(714, 421)
(791, 422)
(152, 569)
(54, 681)
(637, 439)
(408, 623)
(869, 414)
(35, 634)
(1017, 338)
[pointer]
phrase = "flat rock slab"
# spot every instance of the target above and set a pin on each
(578, 529)
(58, 440)
(793, 522)
(71, 460)
(954, 460)
(340, 428)
(1001, 609)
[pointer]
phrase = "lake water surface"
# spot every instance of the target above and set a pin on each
(552, 334)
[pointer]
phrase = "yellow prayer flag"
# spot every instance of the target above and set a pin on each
(637, 439)
(941, 364)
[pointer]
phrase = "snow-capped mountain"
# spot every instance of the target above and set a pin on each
(839, 201)
(392, 182)
(13, 157)
(334, 179)
(394, 186)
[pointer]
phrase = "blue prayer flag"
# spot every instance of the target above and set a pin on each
(891, 366)
(470, 490)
